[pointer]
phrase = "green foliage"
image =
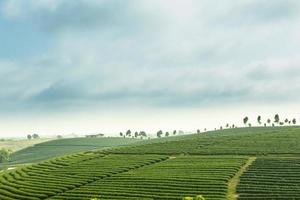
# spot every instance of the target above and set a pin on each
(4, 155)
(159, 133)
(140, 177)
(271, 178)
(242, 141)
(188, 198)
(198, 197)
(245, 120)
(276, 118)
(61, 147)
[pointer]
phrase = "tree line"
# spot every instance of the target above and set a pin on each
(269, 122)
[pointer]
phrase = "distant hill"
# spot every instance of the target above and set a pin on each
(17, 144)
(240, 141)
(59, 147)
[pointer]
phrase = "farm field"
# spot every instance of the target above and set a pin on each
(121, 177)
(50, 149)
(271, 178)
(241, 141)
(207, 164)
(15, 145)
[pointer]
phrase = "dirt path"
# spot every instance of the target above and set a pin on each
(234, 181)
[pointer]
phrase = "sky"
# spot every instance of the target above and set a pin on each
(89, 66)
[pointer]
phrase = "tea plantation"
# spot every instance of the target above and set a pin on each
(54, 148)
(242, 141)
(271, 178)
(247, 163)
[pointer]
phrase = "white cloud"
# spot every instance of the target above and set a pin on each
(158, 53)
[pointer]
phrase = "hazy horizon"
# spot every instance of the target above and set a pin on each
(112, 65)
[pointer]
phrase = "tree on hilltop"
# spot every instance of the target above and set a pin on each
(29, 137)
(294, 121)
(128, 133)
(136, 134)
(159, 133)
(276, 118)
(259, 119)
(142, 134)
(286, 120)
(245, 120)
(35, 136)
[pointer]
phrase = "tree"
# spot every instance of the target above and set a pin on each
(142, 134)
(281, 123)
(35, 136)
(269, 121)
(128, 133)
(245, 120)
(174, 132)
(227, 125)
(167, 134)
(198, 131)
(136, 134)
(205, 129)
(221, 128)
(121, 134)
(259, 119)
(249, 124)
(59, 136)
(4, 155)
(159, 133)
(265, 125)
(29, 137)
(276, 118)
(294, 121)
(286, 120)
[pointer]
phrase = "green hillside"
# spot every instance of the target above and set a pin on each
(241, 141)
(61, 147)
(245, 163)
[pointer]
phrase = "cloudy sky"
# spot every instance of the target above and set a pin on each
(108, 65)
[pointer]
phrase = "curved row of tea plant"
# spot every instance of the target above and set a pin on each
(50, 178)
(94, 174)
(173, 179)
(271, 178)
(241, 141)
(54, 148)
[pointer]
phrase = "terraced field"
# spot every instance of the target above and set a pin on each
(248, 163)
(87, 175)
(174, 178)
(242, 141)
(50, 149)
(271, 178)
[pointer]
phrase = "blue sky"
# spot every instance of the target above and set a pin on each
(60, 58)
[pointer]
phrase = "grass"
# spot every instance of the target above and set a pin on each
(234, 181)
